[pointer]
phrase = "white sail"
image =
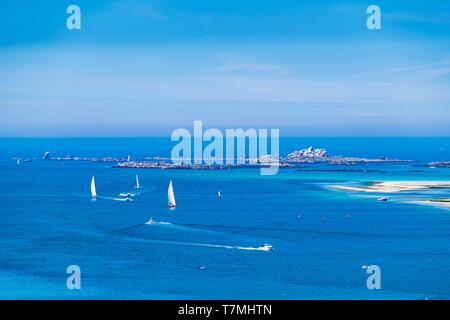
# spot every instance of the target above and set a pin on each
(18, 161)
(171, 196)
(138, 186)
(93, 189)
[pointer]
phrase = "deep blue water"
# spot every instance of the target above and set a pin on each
(48, 222)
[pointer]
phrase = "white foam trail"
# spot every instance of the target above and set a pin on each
(252, 248)
(115, 199)
(228, 247)
(158, 222)
(123, 200)
(189, 228)
(196, 244)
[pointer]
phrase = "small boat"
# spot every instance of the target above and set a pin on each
(138, 186)
(93, 189)
(383, 199)
(18, 161)
(266, 247)
(171, 196)
(151, 221)
(219, 194)
(127, 194)
(129, 158)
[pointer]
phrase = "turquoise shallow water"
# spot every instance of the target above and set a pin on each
(48, 222)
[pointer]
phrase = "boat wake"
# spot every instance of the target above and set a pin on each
(265, 247)
(152, 222)
(116, 199)
(122, 199)
(124, 234)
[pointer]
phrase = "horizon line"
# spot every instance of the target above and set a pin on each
(168, 137)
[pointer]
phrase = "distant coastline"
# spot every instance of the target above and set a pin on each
(296, 159)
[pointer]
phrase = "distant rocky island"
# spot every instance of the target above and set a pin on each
(311, 155)
(295, 159)
(309, 152)
(90, 159)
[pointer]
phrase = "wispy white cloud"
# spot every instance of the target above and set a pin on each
(413, 73)
(231, 64)
(446, 60)
(214, 86)
(225, 87)
(251, 67)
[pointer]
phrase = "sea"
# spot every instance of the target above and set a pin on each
(211, 247)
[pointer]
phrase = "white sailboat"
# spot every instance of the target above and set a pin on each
(171, 196)
(18, 161)
(138, 186)
(93, 189)
(219, 194)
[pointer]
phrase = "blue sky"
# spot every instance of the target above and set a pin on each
(140, 68)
